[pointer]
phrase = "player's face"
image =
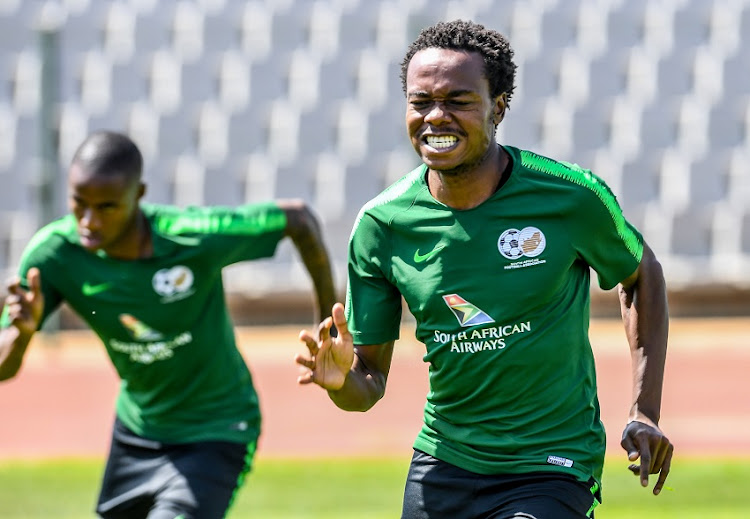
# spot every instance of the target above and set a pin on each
(450, 115)
(105, 207)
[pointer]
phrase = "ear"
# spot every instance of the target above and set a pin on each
(141, 190)
(501, 102)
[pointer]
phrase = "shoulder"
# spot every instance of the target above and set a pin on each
(52, 239)
(394, 199)
(565, 175)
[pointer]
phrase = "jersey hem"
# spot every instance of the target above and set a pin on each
(489, 468)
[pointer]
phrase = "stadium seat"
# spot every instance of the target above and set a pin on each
(691, 232)
(303, 98)
(640, 181)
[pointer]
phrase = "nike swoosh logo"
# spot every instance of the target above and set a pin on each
(90, 290)
(424, 257)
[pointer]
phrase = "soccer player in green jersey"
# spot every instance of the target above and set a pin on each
(148, 280)
(491, 248)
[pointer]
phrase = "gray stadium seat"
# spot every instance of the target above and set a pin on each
(268, 79)
(177, 133)
(745, 234)
(157, 174)
(522, 125)
(295, 180)
(625, 23)
(248, 130)
(727, 121)
(152, 32)
(591, 126)
(541, 75)
(691, 23)
(317, 130)
(676, 73)
(560, 25)
(357, 26)
(607, 74)
(691, 233)
(708, 179)
(736, 80)
(387, 128)
(290, 28)
(188, 181)
(640, 181)
(199, 80)
(222, 186)
(659, 123)
(187, 32)
(258, 174)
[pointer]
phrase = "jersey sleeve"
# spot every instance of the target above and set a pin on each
(603, 237)
(373, 303)
(235, 234)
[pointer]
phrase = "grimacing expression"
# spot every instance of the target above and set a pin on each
(104, 205)
(450, 115)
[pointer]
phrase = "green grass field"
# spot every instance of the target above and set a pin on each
(371, 489)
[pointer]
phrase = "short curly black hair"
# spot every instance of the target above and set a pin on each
(473, 37)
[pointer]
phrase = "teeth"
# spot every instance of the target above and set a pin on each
(441, 141)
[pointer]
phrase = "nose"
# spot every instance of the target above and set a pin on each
(437, 113)
(90, 220)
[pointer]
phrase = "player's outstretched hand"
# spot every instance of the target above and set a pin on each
(330, 358)
(25, 307)
(648, 443)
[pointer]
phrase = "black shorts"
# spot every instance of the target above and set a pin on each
(435, 488)
(144, 478)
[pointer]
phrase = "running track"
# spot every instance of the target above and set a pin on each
(61, 402)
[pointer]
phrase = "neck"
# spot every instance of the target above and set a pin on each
(136, 244)
(470, 188)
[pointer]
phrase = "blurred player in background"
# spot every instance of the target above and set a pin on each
(148, 280)
(491, 247)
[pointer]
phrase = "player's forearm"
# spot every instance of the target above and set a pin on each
(13, 344)
(361, 390)
(359, 393)
(646, 318)
(305, 233)
(319, 267)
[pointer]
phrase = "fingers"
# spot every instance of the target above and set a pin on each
(665, 467)
(645, 468)
(324, 329)
(654, 450)
(14, 285)
(15, 298)
(34, 280)
(307, 376)
(339, 319)
(638, 446)
(310, 341)
(630, 448)
(303, 361)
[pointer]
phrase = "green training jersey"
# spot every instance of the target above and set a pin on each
(500, 294)
(164, 320)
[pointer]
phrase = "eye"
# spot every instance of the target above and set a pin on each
(76, 204)
(419, 104)
(107, 207)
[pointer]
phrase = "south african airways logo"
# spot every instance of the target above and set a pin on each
(466, 313)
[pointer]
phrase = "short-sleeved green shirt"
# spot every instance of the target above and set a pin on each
(164, 320)
(500, 294)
